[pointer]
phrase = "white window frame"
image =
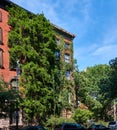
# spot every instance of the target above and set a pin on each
(13, 84)
(68, 74)
(67, 58)
(67, 45)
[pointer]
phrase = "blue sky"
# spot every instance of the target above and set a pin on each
(94, 22)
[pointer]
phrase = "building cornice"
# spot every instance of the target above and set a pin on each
(63, 30)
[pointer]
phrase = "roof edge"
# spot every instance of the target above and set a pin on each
(61, 29)
(55, 26)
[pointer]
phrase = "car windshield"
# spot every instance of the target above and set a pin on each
(72, 126)
(35, 128)
(97, 126)
(79, 126)
(112, 123)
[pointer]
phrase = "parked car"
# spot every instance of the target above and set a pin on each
(113, 125)
(34, 128)
(70, 126)
(98, 127)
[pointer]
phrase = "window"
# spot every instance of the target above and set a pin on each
(1, 35)
(57, 41)
(69, 100)
(13, 84)
(13, 117)
(67, 46)
(0, 16)
(68, 74)
(1, 58)
(57, 53)
(67, 58)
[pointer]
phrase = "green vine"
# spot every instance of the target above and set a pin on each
(67, 85)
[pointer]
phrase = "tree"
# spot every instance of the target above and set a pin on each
(113, 78)
(92, 91)
(32, 40)
(54, 121)
(7, 99)
(82, 115)
(76, 81)
(2, 85)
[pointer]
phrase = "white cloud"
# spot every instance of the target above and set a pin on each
(108, 50)
(102, 51)
(108, 45)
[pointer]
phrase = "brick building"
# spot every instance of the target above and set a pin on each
(5, 72)
(9, 75)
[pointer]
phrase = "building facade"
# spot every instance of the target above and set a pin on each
(9, 76)
(5, 72)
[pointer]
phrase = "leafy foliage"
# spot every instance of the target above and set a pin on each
(2, 85)
(113, 78)
(53, 121)
(82, 115)
(66, 85)
(7, 100)
(32, 40)
(93, 89)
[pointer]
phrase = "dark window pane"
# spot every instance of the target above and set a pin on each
(57, 53)
(0, 16)
(68, 74)
(0, 35)
(1, 58)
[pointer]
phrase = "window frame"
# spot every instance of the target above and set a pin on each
(57, 53)
(0, 16)
(1, 58)
(57, 41)
(1, 36)
(67, 58)
(67, 45)
(68, 74)
(13, 83)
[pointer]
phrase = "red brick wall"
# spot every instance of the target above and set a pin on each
(5, 72)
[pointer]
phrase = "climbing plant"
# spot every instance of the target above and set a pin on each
(67, 86)
(32, 40)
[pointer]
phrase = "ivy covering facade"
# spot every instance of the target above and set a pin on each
(43, 85)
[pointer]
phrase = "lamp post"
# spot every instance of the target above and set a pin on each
(114, 110)
(76, 92)
(17, 89)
